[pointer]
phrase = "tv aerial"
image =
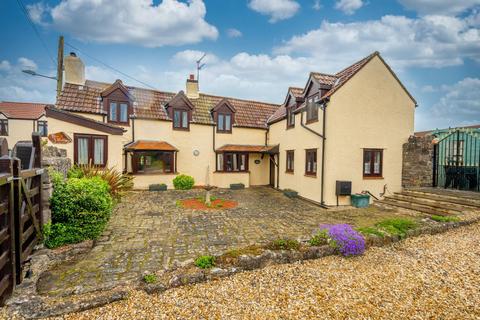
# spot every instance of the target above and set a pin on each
(200, 65)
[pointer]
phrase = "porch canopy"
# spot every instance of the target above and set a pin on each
(249, 148)
(150, 156)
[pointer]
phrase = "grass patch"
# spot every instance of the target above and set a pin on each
(205, 262)
(444, 219)
(319, 239)
(397, 226)
(179, 204)
(253, 250)
(150, 278)
(366, 231)
(284, 244)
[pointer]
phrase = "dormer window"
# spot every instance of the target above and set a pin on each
(224, 116)
(118, 112)
(290, 118)
(312, 109)
(180, 119)
(224, 122)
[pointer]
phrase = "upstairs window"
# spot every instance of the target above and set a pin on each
(224, 122)
(290, 161)
(372, 162)
(290, 118)
(311, 162)
(4, 127)
(42, 128)
(180, 119)
(312, 109)
(118, 112)
(232, 162)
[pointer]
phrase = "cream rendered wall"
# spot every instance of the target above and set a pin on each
(259, 173)
(298, 139)
(370, 111)
(18, 130)
(200, 138)
(115, 142)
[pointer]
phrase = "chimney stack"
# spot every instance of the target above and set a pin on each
(192, 88)
(74, 69)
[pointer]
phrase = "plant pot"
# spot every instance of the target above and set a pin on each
(237, 186)
(157, 187)
(290, 193)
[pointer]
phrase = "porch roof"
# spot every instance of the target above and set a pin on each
(248, 148)
(149, 145)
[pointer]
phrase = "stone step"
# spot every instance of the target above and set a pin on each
(453, 207)
(433, 196)
(462, 194)
(415, 207)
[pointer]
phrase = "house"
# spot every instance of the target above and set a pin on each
(348, 126)
(19, 119)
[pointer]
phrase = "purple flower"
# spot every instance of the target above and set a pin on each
(348, 241)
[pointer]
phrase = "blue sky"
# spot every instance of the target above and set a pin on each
(255, 49)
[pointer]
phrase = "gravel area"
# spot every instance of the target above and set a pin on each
(427, 277)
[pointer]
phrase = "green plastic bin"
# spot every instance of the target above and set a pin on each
(360, 200)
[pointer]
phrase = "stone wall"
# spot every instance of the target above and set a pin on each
(417, 168)
(52, 158)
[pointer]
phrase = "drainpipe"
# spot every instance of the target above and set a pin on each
(309, 129)
(322, 202)
(213, 127)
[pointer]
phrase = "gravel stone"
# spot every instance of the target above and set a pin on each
(427, 277)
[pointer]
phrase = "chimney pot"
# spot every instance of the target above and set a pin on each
(192, 77)
(73, 54)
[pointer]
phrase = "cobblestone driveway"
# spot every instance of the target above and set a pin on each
(148, 231)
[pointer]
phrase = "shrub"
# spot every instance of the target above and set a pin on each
(319, 239)
(444, 219)
(205, 262)
(284, 244)
(150, 278)
(56, 177)
(80, 210)
(183, 182)
(118, 182)
(397, 226)
(371, 231)
(345, 239)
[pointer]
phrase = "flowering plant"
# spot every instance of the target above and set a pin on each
(343, 237)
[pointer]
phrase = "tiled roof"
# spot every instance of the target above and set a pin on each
(150, 145)
(323, 78)
(22, 110)
(297, 92)
(150, 104)
(281, 112)
(246, 148)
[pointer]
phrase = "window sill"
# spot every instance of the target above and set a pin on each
(124, 124)
(311, 175)
(373, 178)
(224, 132)
(232, 171)
(181, 129)
(289, 172)
(153, 173)
(290, 127)
(311, 121)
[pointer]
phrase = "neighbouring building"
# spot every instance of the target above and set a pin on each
(348, 126)
(19, 119)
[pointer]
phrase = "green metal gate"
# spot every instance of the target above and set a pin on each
(457, 159)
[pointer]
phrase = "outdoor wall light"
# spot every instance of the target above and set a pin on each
(196, 153)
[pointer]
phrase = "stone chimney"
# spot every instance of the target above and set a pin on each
(192, 87)
(74, 69)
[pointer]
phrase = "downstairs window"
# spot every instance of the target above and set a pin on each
(153, 162)
(372, 162)
(232, 162)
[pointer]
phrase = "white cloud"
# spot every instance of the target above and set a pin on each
(5, 65)
(276, 9)
(189, 57)
(317, 5)
(439, 6)
(348, 6)
(429, 41)
(38, 12)
(460, 105)
(18, 86)
(234, 33)
(141, 22)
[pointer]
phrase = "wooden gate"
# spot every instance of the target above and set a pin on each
(20, 214)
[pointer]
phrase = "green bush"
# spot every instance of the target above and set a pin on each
(81, 208)
(444, 218)
(284, 244)
(150, 278)
(397, 226)
(183, 182)
(205, 262)
(370, 231)
(319, 239)
(75, 172)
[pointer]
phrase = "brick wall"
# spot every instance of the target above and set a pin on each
(417, 168)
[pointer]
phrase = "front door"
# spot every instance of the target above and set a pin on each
(272, 170)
